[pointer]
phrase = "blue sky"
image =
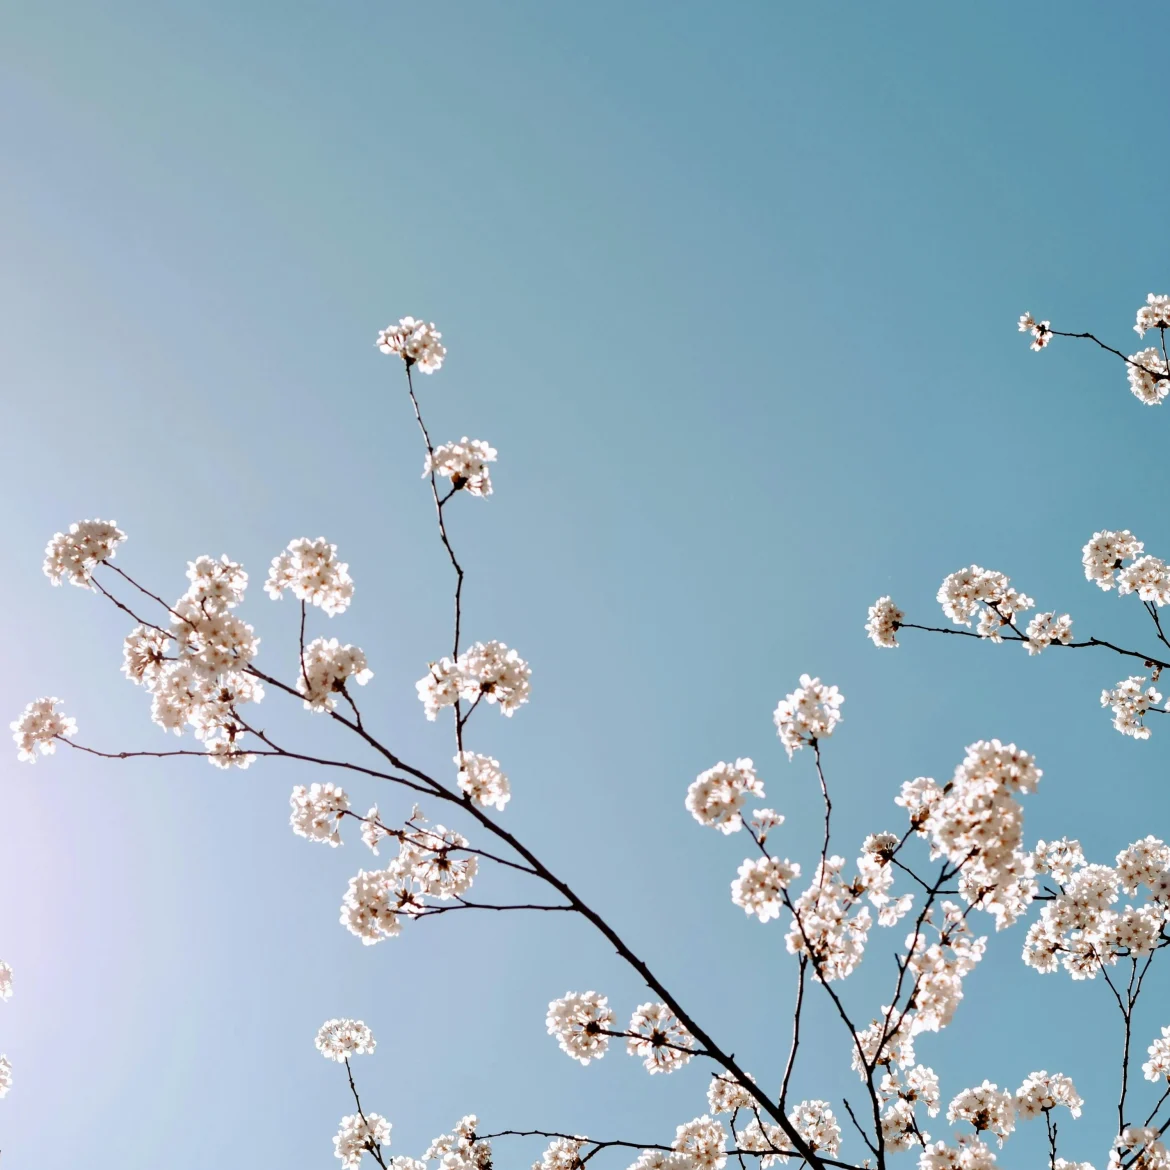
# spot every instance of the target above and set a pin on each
(733, 291)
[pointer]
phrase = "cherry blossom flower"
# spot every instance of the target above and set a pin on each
(658, 1038)
(1042, 1092)
(1148, 577)
(987, 1108)
(760, 886)
(1046, 628)
(580, 1021)
(460, 1149)
(369, 908)
(5, 980)
(465, 464)
(808, 715)
(717, 795)
(562, 1154)
(481, 779)
(358, 1135)
(989, 594)
(416, 342)
(486, 670)
(1106, 552)
(814, 1121)
(1157, 1068)
(1148, 376)
(1130, 700)
(39, 728)
(310, 570)
(884, 619)
(726, 1095)
(1041, 331)
(1154, 314)
(317, 810)
(340, 1039)
(72, 556)
(704, 1140)
(325, 667)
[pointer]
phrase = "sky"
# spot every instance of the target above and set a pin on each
(733, 291)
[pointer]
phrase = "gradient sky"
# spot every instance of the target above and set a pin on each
(733, 291)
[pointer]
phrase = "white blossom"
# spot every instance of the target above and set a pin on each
(1157, 1068)
(39, 727)
(416, 342)
(726, 1095)
(1106, 552)
(989, 594)
(828, 924)
(437, 873)
(1154, 314)
(144, 655)
(358, 1135)
(808, 715)
(369, 908)
(579, 1021)
(987, 1108)
(461, 1149)
(971, 1153)
(481, 779)
(658, 1038)
(704, 1140)
(814, 1121)
(717, 795)
(1148, 374)
(486, 670)
(1042, 1092)
(340, 1039)
(561, 1154)
(465, 464)
(1046, 628)
(317, 811)
(325, 667)
(1142, 863)
(1148, 577)
(72, 556)
(760, 886)
(1130, 700)
(310, 570)
(373, 831)
(884, 619)
(1041, 331)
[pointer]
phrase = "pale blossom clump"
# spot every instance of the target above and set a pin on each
(326, 665)
(317, 812)
(1149, 376)
(829, 924)
(416, 342)
(458, 1150)
(1106, 552)
(480, 778)
(39, 727)
(989, 594)
(1043, 1092)
(1142, 863)
(1059, 858)
(1157, 1068)
(970, 1153)
(659, 1038)
(561, 1154)
(763, 821)
(437, 873)
(5, 1075)
(465, 464)
(704, 1140)
(580, 1021)
(717, 795)
(726, 1095)
(72, 556)
(1130, 700)
(144, 655)
(1046, 628)
(1148, 577)
(988, 1108)
(370, 907)
(310, 570)
(340, 1039)
(808, 715)
(360, 1134)
(759, 888)
(1041, 331)
(1154, 314)
(884, 619)
(1077, 929)
(814, 1121)
(485, 670)
(373, 831)
(1138, 1148)
(5, 980)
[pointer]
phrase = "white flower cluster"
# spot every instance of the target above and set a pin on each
(1138, 1148)
(465, 464)
(72, 556)
(425, 867)
(580, 1020)
(481, 779)
(1149, 376)
(703, 1144)
(1106, 552)
(317, 811)
(39, 727)
(814, 1121)
(984, 592)
(716, 796)
(486, 670)
(458, 1150)
(823, 927)
(310, 570)
(1129, 701)
(1042, 1092)
(1157, 1068)
(659, 1038)
(416, 342)
(759, 888)
(884, 619)
(359, 1135)
(1154, 314)
(808, 715)
(901, 1095)
(561, 1154)
(1079, 929)
(325, 667)
(1041, 331)
(340, 1039)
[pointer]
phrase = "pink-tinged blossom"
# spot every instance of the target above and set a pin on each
(988, 1108)
(1106, 552)
(72, 556)
(38, 729)
(808, 715)
(360, 1135)
(1045, 629)
(481, 779)
(984, 592)
(1157, 1068)
(486, 671)
(884, 619)
(340, 1039)
(416, 342)
(759, 888)
(310, 570)
(1130, 700)
(716, 796)
(326, 666)
(317, 811)
(1154, 314)
(1041, 331)
(580, 1021)
(465, 464)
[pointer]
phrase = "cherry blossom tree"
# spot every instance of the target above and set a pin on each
(924, 895)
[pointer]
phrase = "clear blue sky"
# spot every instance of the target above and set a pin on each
(733, 290)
